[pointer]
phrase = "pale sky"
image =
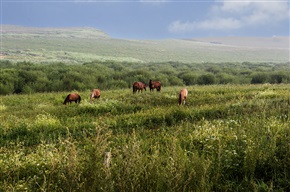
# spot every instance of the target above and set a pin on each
(155, 19)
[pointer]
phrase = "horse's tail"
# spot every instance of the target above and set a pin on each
(159, 87)
(180, 99)
(79, 100)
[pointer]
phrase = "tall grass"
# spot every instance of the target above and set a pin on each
(226, 138)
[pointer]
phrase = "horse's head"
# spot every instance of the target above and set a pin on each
(66, 99)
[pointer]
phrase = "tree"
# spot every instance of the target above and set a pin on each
(206, 79)
(260, 78)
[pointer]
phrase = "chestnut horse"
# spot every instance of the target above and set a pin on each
(182, 96)
(96, 93)
(154, 85)
(139, 86)
(72, 97)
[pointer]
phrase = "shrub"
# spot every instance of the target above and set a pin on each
(259, 78)
(206, 79)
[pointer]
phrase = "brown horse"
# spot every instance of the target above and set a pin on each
(96, 93)
(154, 85)
(139, 86)
(72, 97)
(182, 96)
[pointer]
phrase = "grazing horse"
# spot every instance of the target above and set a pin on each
(182, 96)
(139, 86)
(154, 85)
(72, 97)
(96, 93)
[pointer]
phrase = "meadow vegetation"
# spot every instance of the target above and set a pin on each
(232, 135)
(226, 138)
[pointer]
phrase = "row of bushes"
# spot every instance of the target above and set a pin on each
(26, 77)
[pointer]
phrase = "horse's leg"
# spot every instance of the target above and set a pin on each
(91, 98)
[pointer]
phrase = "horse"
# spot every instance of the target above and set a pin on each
(154, 85)
(139, 86)
(72, 97)
(96, 93)
(182, 96)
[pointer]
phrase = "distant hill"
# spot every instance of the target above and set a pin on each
(85, 44)
(258, 42)
(77, 32)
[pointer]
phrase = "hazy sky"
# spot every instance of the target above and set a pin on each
(155, 19)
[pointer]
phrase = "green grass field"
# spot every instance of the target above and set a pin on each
(226, 138)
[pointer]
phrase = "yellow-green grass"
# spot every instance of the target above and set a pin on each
(225, 138)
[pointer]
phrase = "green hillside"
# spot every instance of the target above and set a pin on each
(78, 45)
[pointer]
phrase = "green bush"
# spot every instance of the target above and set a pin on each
(115, 75)
(259, 78)
(206, 79)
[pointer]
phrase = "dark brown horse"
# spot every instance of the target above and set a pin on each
(72, 97)
(182, 96)
(154, 85)
(139, 86)
(96, 93)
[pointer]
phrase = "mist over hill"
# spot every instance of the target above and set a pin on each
(85, 44)
(254, 42)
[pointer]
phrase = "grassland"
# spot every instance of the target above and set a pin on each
(226, 138)
(79, 45)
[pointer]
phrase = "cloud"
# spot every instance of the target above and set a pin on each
(214, 23)
(231, 15)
